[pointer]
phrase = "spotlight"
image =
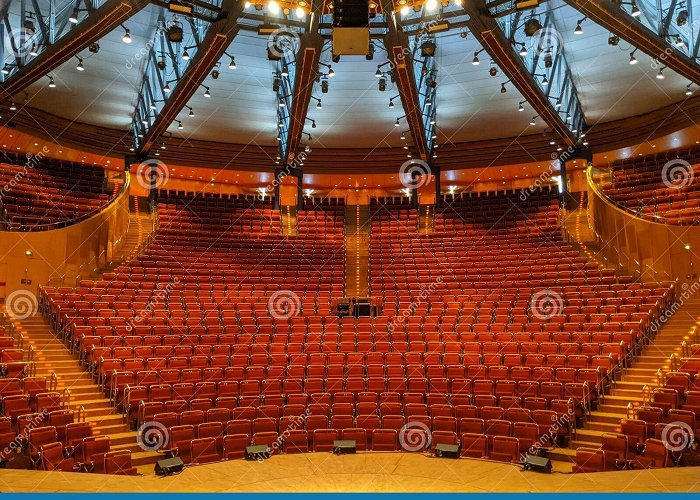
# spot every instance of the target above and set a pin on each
(545, 81)
(405, 10)
(175, 33)
(161, 64)
(552, 142)
(153, 106)
(493, 71)
(613, 40)
(428, 102)
(331, 73)
(503, 88)
(313, 123)
(475, 61)
(403, 136)
(427, 48)
(378, 73)
(232, 64)
(520, 107)
(523, 50)
(396, 123)
(299, 12)
(5, 70)
(558, 104)
(179, 125)
(126, 38)
(166, 88)
(635, 10)
(391, 102)
(74, 16)
(80, 66)
(185, 55)
(432, 121)
(532, 122)
(273, 7)
(33, 52)
(532, 26)
(281, 103)
(319, 105)
(688, 91)
(682, 17)
(285, 71)
(579, 30)
(324, 86)
(431, 5)
(52, 84)
(13, 107)
(191, 113)
(633, 60)
(679, 42)
(382, 84)
(206, 92)
(660, 74)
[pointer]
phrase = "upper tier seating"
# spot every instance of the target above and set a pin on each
(204, 335)
(48, 194)
(638, 185)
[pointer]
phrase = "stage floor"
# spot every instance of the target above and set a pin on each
(363, 472)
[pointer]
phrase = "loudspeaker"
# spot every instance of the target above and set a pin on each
(257, 452)
(344, 446)
(350, 13)
(538, 464)
(169, 466)
(447, 450)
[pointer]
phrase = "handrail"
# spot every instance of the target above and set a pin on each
(655, 219)
(13, 227)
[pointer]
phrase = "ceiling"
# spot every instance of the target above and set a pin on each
(355, 113)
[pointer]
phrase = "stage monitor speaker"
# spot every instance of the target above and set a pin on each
(344, 446)
(256, 452)
(447, 450)
(537, 464)
(169, 466)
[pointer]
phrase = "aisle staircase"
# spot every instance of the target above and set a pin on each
(289, 220)
(426, 219)
(357, 240)
(85, 396)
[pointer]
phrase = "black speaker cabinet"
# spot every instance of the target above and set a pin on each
(256, 452)
(344, 446)
(537, 464)
(447, 450)
(169, 466)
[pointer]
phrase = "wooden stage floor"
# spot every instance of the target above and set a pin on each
(363, 472)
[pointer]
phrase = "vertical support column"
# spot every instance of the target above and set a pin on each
(276, 194)
(300, 191)
(414, 190)
(153, 189)
(436, 180)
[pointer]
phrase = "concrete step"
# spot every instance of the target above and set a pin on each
(605, 417)
(141, 458)
(105, 420)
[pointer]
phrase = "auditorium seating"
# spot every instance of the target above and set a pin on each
(222, 330)
(658, 187)
(40, 193)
